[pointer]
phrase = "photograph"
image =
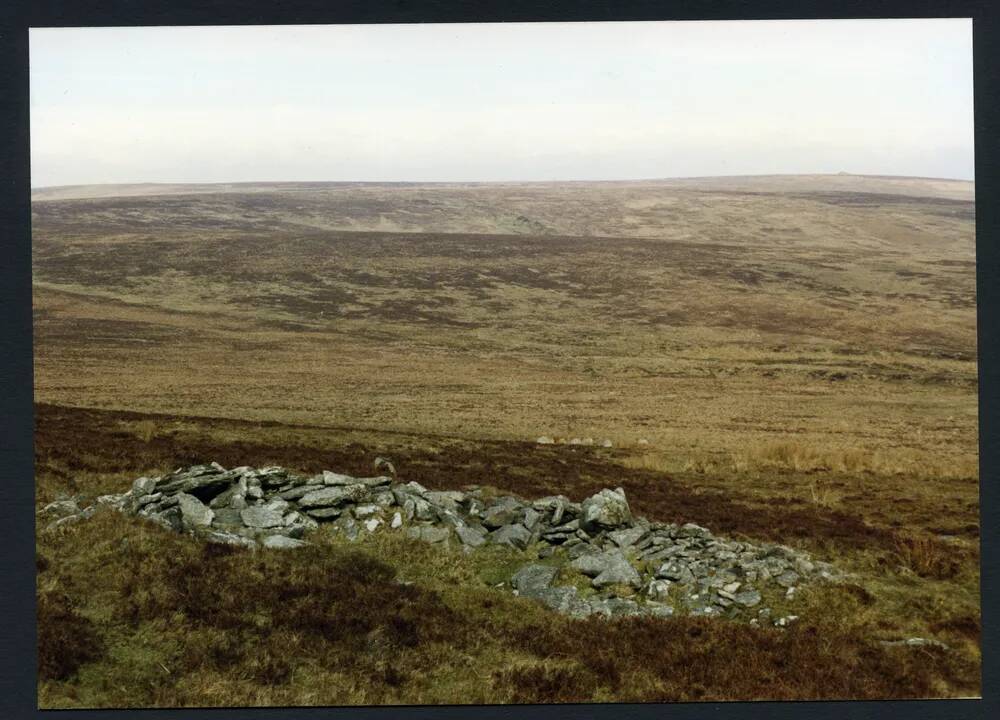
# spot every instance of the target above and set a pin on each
(500, 363)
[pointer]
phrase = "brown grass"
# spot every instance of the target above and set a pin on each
(927, 556)
(739, 326)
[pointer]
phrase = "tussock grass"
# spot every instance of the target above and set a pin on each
(810, 457)
(927, 556)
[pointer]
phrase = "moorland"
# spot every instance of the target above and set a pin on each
(785, 358)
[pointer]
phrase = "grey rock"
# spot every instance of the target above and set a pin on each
(449, 518)
(658, 609)
(658, 589)
(70, 519)
(60, 508)
(515, 535)
(262, 517)
(615, 607)
(590, 564)
(627, 537)
(416, 508)
(143, 486)
(916, 642)
(579, 549)
(367, 510)
(803, 566)
(271, 476)
(473, 507)
(690, 530)
(332, 478)
(372, 524)
(788, 579)
(326, 513)
(559, 510)
(375, 482)
(297, 492)
(194, 513)
(532, 579)
(566, 600)
(204, 486)
(618, 571)
(606, 510)
(448, 499)
(570, 527)
(748, 598)
(224, 498)
(144, 500)
(118, 502)
(675, 571)
(607, 568)
(294, 518)
(429, 534)
(504, 511)
(348, 526)
(280, 542)
(470, 536)
(170, 518)
(531, 518)
(225, 538)
(227, 517)
(335, 495)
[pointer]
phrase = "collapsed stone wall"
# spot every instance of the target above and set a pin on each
(632, 565)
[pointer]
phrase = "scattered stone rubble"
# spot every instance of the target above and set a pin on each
(591, 558)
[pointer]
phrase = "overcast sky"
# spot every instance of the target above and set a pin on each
(501, 101)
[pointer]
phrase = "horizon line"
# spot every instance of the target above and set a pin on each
(500, 182)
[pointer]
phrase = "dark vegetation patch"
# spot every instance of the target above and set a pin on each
(69, 440)
(106, 331)
(66, 639)
(796, 664)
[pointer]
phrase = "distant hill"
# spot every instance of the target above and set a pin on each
(880, 184)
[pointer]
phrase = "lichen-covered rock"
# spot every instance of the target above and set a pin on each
(335, 495)
(194, 513)
(532, 579)
(607, 510)
(143, 486)
(260, 516)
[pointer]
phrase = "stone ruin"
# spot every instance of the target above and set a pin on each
(621, 564)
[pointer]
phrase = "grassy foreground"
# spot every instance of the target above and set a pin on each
(131, 615)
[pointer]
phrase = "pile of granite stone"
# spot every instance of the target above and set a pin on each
(581, 558)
